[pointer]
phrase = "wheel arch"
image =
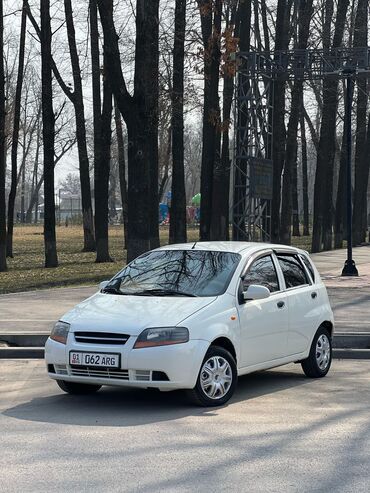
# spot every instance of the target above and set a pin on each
(225, 343)
(328, 325)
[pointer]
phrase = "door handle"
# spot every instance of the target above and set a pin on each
(313, 295)
(280, 304)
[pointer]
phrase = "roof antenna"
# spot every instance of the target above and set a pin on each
(192, 248)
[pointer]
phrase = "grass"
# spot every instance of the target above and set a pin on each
(26, 270)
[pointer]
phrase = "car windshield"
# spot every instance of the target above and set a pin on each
(176, 273)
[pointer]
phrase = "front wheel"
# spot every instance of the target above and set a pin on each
(318, 362)
(77, 388)
(217, 378)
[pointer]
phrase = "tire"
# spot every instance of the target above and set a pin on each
(77, 388)
(223, 376)
(318, 362)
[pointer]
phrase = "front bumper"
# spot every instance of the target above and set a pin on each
(181, 363)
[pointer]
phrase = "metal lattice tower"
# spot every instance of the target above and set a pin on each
(252, 163)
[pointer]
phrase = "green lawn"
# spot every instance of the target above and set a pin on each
(26, 270)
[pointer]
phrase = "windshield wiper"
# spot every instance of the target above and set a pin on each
(163, 292)
(112, 290)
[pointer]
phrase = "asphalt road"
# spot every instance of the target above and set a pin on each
(282, 433)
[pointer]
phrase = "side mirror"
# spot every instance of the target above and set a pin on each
(256, 292)
(103, 284)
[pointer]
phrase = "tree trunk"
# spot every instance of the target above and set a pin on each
(341, 199)
(305, 14)
(3, 266)
(323, 194)
(221, 178)
(148, 71)
(15, 136)
(102, 141)
(51, 258)
(87, 215)
(362, 162)
(23, 192)
(243, 32)
(36, 186)
(178, 201)
(278, 146)
(140, 113)
(121, 169)
(210, 15)
(163, 181)
(306, 218)
(295, 205)
(101, 179)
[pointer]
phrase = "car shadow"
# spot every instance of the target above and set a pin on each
(113, 406)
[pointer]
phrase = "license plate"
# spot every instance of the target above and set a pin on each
(94, 359)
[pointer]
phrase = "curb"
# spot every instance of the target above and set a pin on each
(351, 353)
(25, 339)
(355, 345)
(22, 353)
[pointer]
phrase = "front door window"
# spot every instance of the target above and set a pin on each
(263, 273)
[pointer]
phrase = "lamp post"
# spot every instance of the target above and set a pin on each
(349, 268)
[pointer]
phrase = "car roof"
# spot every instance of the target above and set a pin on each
(241, 247)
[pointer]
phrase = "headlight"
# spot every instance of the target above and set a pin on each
(162, 336)
(60, 332)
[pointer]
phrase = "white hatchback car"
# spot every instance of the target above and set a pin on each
(195, 316)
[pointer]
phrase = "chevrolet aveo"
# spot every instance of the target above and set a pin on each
(195, 316)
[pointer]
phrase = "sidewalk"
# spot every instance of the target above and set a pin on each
(37, 311)
(349, 296)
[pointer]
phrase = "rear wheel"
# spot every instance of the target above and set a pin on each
(77, 388)
(217, 378)
(318, 362)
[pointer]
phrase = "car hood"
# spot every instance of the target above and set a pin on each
(131, 314)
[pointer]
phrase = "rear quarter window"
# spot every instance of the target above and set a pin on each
(309, 266)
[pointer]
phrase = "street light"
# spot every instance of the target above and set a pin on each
(349, 268)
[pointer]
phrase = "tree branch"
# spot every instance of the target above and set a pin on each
(112, 54)
(70, 94)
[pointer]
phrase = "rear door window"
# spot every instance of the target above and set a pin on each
(293, 271)
(263, 273)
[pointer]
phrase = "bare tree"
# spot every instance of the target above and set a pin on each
(101, 176)
(15, 136)
(306, 223)
(48, 129)
(278, 149)
(3, 265)
(210, 15)
(362, 161)
(323, 196)
(140, 113)
(77, 100)
(305, 14)
(121, 169)
(102, 141)
(178, 202)
(221, 177)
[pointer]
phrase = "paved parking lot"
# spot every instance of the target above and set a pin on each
(281, 432)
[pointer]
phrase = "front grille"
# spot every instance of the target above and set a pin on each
(93, 371)
(101, 338)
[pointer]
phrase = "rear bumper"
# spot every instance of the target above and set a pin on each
(181, 364)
